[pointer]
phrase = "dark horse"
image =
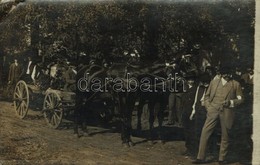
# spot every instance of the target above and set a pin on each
(118, 83)
(85, 95)
(151, 89)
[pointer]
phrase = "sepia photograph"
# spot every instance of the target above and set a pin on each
(134, 82)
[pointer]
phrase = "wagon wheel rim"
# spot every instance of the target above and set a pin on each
(21, 99)
(52, 109)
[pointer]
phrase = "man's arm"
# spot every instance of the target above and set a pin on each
(33, 75)
(207, 95)
(239, 95)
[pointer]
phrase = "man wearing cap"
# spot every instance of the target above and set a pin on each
(220, 99)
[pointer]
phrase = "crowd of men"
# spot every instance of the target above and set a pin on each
(208, 106)
(218, 102)
(56, 74)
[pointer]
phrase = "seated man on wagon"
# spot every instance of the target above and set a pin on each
(40, 76)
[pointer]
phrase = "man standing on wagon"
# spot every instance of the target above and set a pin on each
(28, 70)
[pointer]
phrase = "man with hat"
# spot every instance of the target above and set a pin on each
(222, 96)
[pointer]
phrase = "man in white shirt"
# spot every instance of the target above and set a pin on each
(28, 70)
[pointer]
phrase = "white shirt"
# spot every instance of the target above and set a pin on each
(223, 81)
(28, 67)
(33, 76)
(216, 77)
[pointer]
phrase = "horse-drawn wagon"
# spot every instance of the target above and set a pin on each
(55, 102)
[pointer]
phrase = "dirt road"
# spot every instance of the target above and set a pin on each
(31, 141)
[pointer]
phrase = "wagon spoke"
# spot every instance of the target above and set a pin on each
(58, 110)
(48, 104)
(54, 101)
(17, 94)
(21, 108)
(24, 107)
(48, 97)
(54, 119)
(25, 104)
(24, 98)
(18, 109)
(51, 101)
(19, 90)
(52, 97)
(51, 120)
(56, 115)
(18, 106)
(24, 93)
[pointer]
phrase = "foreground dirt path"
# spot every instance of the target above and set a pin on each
(31, 141)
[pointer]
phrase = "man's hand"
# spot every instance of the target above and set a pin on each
(226, 103)
(192, 114)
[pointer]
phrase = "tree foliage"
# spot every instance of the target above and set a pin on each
(108, 29)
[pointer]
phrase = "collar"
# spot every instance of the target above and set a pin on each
(223, 81)
(251, 76)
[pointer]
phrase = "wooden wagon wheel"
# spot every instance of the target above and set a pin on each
(52, 109)
(21, 99)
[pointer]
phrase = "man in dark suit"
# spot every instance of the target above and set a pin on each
(15, 72)
(220, 99)
(247, 78)
(14, 75)
(188, 125)
(199, 113)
